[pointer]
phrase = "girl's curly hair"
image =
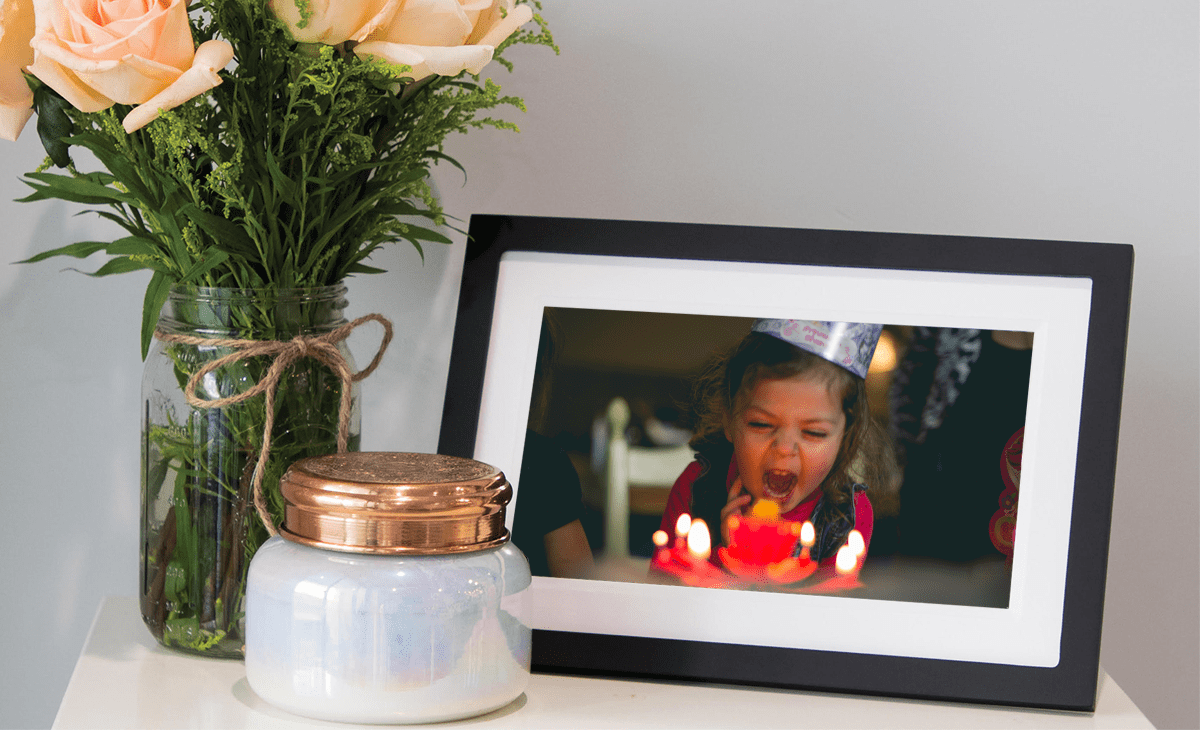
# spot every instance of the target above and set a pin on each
(865, 454)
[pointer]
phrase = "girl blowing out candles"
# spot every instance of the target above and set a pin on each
(784, 418)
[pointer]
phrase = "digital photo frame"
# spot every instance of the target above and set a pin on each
(1039, 647)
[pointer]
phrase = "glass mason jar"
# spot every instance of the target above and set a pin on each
(199, 525)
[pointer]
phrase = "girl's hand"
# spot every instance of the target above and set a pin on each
(738, 500)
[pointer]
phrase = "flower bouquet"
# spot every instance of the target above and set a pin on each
(253, 155)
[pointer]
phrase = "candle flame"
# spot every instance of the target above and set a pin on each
(659, 538)
(856, 543)
(683, 524)
(808, 534)
(847, 561)
(699, 541)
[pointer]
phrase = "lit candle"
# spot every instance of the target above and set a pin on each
(662, 555)
(856, 543)
(687, 560)
(808, 536)
(845, 578)
(682, 526)
(699, 541)
(847, 561)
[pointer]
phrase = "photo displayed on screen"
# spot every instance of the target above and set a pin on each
(860, 459)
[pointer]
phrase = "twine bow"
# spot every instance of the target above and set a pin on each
(322, 348)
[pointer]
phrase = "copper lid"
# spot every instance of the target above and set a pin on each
(394, 503)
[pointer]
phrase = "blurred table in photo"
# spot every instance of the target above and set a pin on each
(124, 679)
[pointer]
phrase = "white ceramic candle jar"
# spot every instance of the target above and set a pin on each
(391, 595)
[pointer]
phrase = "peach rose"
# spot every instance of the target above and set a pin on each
(16, 100)
(97, 53)
(440, 37)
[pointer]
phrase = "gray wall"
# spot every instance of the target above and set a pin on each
(1032, 119)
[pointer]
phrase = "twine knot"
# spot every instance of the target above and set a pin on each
(322, 348)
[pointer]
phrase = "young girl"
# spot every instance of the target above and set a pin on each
(784, 418)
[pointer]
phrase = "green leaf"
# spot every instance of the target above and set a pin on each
(133, 246)
(132, 228)
(396, 208)
(416, 233)
(211, 259)
(442, 156)
(53, 124)
(285, 184)
(119, 265)
(364, 269)
(49, 192)
(80, 250)
(156, 296)
(82, 188)
(122, 167)
(227, 234)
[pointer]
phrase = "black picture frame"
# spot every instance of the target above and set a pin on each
(1070, 684)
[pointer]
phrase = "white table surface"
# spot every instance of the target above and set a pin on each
(124, 679)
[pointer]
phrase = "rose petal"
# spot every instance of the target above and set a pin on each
(163, 35)
(384, 16)
(98, 23)
(428, 23)
(132, 80)
(79, 25)
(485, 20)
(13, 88)
(50, 16)
(16, 28)
(50, 48)
(476, 8)
(16, 100)
(502, 28)
(397, 54)
(111, 10)
(162, 73)
(68, 84)
(450, 61)
(333, 22)
(426, 60)
(211, 56)
(13, 118)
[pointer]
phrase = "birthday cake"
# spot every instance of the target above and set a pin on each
(764, 552)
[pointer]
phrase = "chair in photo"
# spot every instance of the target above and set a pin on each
(637, 479)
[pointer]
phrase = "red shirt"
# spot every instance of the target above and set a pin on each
(679, 501)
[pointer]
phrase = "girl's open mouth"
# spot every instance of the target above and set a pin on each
(778, 484)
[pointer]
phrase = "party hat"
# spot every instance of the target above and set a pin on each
(849, 344)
